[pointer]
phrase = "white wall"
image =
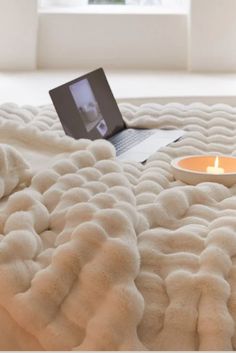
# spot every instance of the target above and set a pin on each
(18, 34)
(206, 41)
(137, 41)
(212, 40)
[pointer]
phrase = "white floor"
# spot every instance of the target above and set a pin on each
(132, 86)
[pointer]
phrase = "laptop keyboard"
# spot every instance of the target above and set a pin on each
(128, 138)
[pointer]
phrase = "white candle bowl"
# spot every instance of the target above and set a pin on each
(193, 169)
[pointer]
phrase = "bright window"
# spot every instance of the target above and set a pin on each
(166, 4)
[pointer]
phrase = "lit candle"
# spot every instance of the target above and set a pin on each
(216, 169)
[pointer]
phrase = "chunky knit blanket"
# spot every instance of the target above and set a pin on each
(96, 254)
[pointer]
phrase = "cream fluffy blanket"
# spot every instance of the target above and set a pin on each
(96, 254)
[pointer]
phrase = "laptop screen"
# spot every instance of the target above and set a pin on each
(87, 108)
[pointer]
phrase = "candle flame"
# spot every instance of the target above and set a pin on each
(216, 169)
(216, 165)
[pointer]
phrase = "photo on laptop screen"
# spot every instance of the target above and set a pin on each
(88, 106)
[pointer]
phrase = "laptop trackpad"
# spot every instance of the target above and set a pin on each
(145, 148)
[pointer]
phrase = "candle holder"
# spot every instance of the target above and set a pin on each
(198, 169)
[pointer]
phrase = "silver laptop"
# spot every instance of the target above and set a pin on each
(88, 109)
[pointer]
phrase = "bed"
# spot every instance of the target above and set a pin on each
(97, 254)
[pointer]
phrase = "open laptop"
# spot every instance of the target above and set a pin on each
(88, 109)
